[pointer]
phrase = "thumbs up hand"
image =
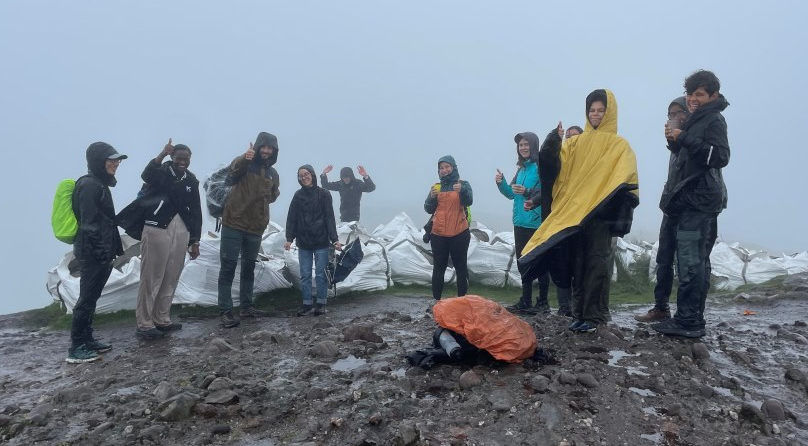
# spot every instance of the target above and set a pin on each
(456, 186)
(499, 176)
(250, 154)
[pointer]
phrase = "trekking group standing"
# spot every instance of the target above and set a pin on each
(571, 197)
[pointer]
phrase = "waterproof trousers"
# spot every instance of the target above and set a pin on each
(235, 243)
(521, 237)
(592, 253)
(456, 247)
(695, 236)
(94, 276)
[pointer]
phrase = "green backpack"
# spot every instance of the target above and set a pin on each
(63, 220)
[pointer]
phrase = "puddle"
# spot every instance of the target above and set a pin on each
(649, 410)
(128, 390)
(642, 392)
(399, 373)
(348, 364)
(617, 355)
(179, 351)
(723, 391)
(656, 438)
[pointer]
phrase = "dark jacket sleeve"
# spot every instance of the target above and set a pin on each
(196, 215)
(276, 184)
(334, 185)
(239, 168)
(713, 149)
(330, 221)
(152, 174)
(466, 194)
(291, 220)
(368, 185)
(431, 203)
(89, 196)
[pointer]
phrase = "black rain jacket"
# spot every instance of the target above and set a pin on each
(311, 216)
(167, 195)
(349, 194)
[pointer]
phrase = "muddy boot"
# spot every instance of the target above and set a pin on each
(521, 306)
(542, 307)
(653, 315)
(563, 295)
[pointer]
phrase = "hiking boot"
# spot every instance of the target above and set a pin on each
(564, 311)
(319, 309)
(585, 327)
(97, 346)
(522, 307)
(672, 328)
(653, 315)
(305, 310)
(574, 325)
(81, 354)
(173, 326)
(542, 308)
(227, 320)
(252, 312)
(149, 334)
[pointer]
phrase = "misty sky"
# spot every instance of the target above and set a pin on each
(392, 86)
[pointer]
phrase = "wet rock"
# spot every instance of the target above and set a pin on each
(407, 434)
(223, 396)
(103, 427)
(706, 391)
(358, 331)
(795, 374)
(699, 351)
(375, 419)
(164, 391)
(153, 433)
(681, 350)
(751, 413)
(206, 382)
(73, 395)
(501, 400)
(220, 383)
(470, 379)
(206, 410)
(540, 383)
(221, 429)
(567, 378)
(316, 393)
(218, 346)
(177, 407)
(773, 410)
(39, 415)
(325, 349)
(5, 420)
(675, 409)
(800, 324)
(588, 380)
(775, 326)
(323, 325)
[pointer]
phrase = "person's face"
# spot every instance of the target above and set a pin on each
(524, 148)
(444, 169)
(346, 180)
(304, 176)
(572, 132)
(676, 111)
(700, 97)
(596, 112)
(181, 159)
(111, 166)
(265, 152)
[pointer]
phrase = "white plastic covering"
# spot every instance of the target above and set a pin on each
(395, 253)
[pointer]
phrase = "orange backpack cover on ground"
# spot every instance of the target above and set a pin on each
(487, 325)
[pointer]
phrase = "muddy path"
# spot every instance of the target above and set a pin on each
(341, 379)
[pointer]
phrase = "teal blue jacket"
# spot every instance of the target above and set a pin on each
(527, 176)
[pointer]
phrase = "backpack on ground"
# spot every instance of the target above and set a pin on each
(63, 220)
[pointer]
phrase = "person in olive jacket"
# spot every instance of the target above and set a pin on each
(694, 196)
(96, 245)
(172, 226)
(245, 218)
(311, 222)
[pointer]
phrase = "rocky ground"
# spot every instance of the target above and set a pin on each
(341, 379)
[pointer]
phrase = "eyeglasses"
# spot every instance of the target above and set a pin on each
(305, 175)
(676, 114)
(115, 161)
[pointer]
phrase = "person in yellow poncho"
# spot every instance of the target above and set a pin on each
(593, 198)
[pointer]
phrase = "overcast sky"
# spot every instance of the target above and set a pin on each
(392, 86)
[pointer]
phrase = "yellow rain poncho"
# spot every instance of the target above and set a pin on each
(595, 166)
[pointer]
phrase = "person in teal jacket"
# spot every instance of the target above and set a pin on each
(525, 222)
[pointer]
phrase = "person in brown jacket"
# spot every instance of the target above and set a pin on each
(246, 216)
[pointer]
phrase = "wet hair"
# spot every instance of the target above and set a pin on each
(182, 147)
(580, 130)
(597, 95)
(702, 78)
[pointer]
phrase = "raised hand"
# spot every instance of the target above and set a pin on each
(499, 176)
(327, 169)
(456, 186)
(168, 149)
(362, 171)
(560, 130)
(250, 153)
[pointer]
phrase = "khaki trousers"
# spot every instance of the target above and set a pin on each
(162, 253)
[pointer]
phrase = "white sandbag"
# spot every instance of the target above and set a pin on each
(120, 292)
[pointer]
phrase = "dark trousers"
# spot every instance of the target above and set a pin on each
(521, 237)
(695, 236)
(664, 261)
(592, 254)
(233, 244)
(442, 248)
(94, 276)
